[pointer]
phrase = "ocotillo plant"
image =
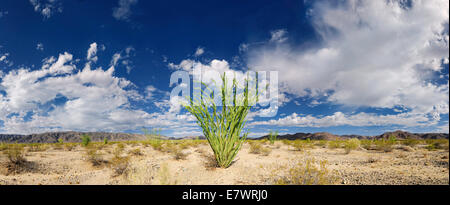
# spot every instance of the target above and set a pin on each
(223, 129)
(273, 137)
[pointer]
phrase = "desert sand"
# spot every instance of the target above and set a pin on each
(150, 166)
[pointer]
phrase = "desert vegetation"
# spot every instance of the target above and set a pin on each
(349, 161)
(223, 129)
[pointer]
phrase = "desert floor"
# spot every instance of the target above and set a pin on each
(58, 166)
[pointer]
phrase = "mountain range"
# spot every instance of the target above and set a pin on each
(72, 136)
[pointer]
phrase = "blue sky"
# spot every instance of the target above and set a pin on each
(347, 67)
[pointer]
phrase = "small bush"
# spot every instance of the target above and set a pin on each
(105, 141)
(258, 148)
(85, 140)
(37, 147)
(384, 145)
(69, 146)
(255, 147)
(136, 152)
(410, 142)
(175, 149)
(15, 154)
(298, 145)
(94, 156)
(351, 144)
(119, 164)
(437, 144)
(308, 172)
(334, 144)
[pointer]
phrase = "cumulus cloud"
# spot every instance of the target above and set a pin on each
(47, 7)
(59, 96)
(370, 55)
(92, 52)
(123, 11)
(339, 119)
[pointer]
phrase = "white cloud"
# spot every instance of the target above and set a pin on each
(46, 7)
(115, 59)
(92, 52)
(40, 47)
(372, 54)
(340, 119)
(199, 51)
(61, 97)
(278, 36)
(123, 11)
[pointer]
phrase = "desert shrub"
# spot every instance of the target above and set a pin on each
(258, 148)
(309, 172)
(16, 161)
(94, 156)
(176, 150)
(334, 144)
(286, 142)
(105, 141)
(366, 144)
(255, 147)
(69, 146)
(85, 140)
(222, 129)
(437, 144)
(298, 145)
(37, 147)
(15, 154)
(136, 152)
(119, 164)
(410, 142)
(351, 144)
(3, 146)
(265, 151)
(384, 145)
(321, 143)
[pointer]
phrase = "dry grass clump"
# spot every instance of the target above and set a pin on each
(299, 145)
(69, 146)
(351, 144)
(437, 144)
(411, 142)
(94, 156)
(308, 172)
(16, 161)
(210, 162)
(335, 144)
(38, 147)
(119, 164)
(258, 148)
(136, 152)
(176, 150)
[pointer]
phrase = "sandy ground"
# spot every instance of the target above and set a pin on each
(418, 166)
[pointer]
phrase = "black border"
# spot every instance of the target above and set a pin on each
(276, 193)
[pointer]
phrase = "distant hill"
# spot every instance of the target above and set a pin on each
(52, 137)
(328, 136)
